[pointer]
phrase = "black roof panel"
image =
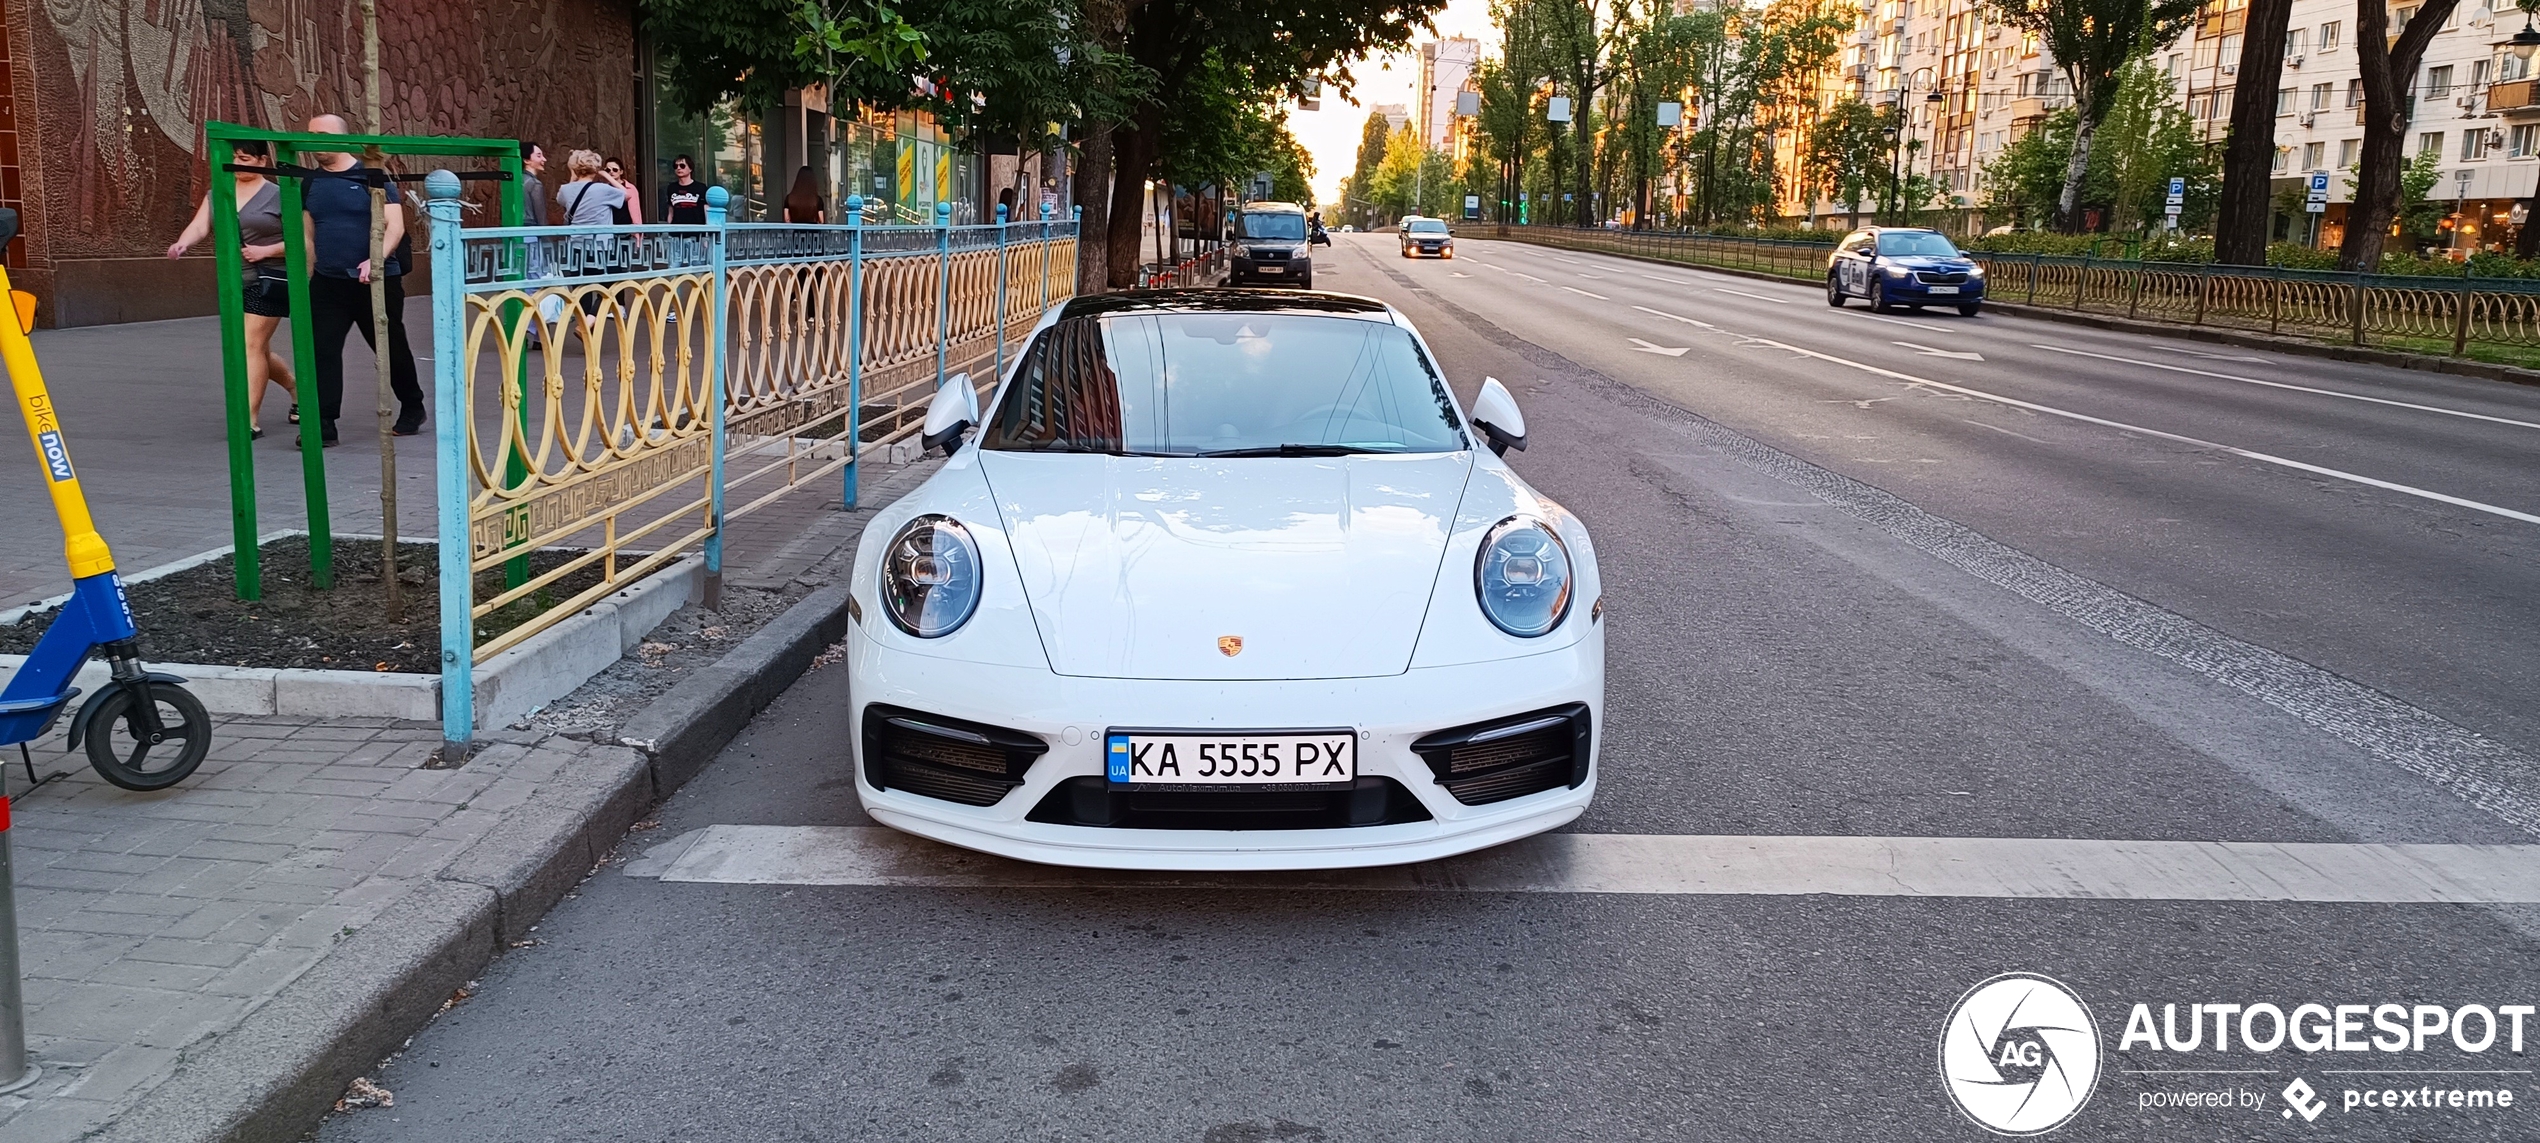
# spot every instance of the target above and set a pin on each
(1222, 300)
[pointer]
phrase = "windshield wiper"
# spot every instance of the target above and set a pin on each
(1291, 450)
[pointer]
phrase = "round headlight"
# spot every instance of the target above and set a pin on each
(1523, 577)
(931, 577)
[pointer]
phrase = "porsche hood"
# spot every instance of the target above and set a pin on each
(1233, 568)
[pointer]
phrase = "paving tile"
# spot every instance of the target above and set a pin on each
(142, 903)
(209, 954)
(58, 1120)
(96, 862)
(121, 1074)
(249, 923)
(80, 879)
(122, 924)
(238, 851)
(154, 974)
(265, 971)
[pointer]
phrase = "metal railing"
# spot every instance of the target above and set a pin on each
(612, 392)
(2423, 313)
(1201, 269)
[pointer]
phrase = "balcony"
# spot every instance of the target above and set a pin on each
(2029, 109)
(2514, 96)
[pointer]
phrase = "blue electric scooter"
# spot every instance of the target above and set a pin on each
(144, 730)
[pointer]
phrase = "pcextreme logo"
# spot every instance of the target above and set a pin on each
(2020, 1054)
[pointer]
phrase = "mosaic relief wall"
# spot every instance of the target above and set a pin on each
(122, 89)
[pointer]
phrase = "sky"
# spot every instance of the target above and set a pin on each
(1331, 134)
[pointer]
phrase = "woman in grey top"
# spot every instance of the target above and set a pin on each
(268, 295)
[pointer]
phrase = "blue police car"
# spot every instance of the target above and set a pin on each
(1893, 266)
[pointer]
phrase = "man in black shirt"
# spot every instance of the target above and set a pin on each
(684, 198)
(339, 289)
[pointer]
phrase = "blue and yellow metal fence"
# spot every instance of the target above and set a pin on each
(623, 393)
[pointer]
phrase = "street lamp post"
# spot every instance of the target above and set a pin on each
(1896, 154)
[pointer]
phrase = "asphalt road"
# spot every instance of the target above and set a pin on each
(1843, 602)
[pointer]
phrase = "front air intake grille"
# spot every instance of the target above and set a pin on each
(1269, 253)
(966, 762)
(1095, 801)
(1943, 277)
(1510, 757)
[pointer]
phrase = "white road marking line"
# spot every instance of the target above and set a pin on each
(1927, 351)
(2121, 426)
(2206, 356)
(1528, 277)
(1965, 867)
(1757, 297)
(2022, 436)
(1899, 321)
(2290, 385)
(1571, 261)
(1658, 278)
(1646, 347)
(1676, 317)
(1585, 274)
(1576, 290)
(1457, 274)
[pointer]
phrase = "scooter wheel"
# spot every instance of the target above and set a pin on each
(123, 750)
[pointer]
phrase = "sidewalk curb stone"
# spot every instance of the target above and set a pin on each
(275, 1075)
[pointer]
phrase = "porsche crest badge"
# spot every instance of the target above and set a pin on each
(1230, 645)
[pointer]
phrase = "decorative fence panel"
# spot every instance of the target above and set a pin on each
(608, 399)
(2417, 312)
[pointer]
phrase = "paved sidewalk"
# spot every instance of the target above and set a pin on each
(150, 923)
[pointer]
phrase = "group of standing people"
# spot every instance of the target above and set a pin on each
(337, 218)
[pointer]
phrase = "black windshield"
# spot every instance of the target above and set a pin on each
(1225, 384)
(1272, 224)
(1916, 244)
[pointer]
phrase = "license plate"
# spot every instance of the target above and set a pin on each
(1184, 758)
(1270, 269)
(1944, 289)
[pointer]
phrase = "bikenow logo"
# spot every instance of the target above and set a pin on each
(57, 456)
(2020, 1054)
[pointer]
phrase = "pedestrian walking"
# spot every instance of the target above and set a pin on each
(802, 204)
(683, 198)
(614, 173)
(338, 212)
(266, 286)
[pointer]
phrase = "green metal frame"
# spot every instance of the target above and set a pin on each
(247, 562)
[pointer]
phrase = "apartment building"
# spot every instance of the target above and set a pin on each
(2473, 103)
(1446, 67)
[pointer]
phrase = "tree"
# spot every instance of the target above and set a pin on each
(1846, 152)
(1372, 140)
(2146, 140)
(2389, 70)
(2240, 233)
(1573, 50)
(2025, 179)
(2092, 40)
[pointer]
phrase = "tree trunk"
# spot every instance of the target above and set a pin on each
(2387, 74)
(2248, 191)
(1092, 191)
(1133, 158)
(392, 589)
(2068, 204)
(1582, 166)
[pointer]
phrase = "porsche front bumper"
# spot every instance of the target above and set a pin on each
(1071, 714)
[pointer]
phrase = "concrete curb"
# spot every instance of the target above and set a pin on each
(270, 1079)
(2245, 339)
(543, 668)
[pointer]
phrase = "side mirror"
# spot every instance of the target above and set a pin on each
(1495, 413)
(955, 408)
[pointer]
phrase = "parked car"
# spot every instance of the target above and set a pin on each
(1429, 236)
(1225, 579)
(1270, 246)
(1903, 266)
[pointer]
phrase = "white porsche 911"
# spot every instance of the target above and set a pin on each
(1225, 580)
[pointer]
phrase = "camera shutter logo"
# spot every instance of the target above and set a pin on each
(2020, 1054)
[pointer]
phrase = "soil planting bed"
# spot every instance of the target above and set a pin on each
(195, 616)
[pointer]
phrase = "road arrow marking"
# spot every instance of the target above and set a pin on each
(1645, 347)
(1928, 351)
